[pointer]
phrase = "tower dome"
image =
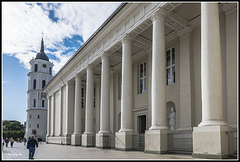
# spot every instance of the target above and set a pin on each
(41, 55)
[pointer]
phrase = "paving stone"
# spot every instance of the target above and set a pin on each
(68, 152)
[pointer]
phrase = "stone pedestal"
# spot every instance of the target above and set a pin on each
(76, 139)
(123, 141)
(210, 142)
(66, 139)
(103, 140)
(88, 139)
(55, 140)
(156, 141)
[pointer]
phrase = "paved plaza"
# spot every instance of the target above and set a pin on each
(67, 152)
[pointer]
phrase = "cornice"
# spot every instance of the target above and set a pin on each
(132, 21)
(228, 7)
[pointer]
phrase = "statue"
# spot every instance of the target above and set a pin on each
(172, 119)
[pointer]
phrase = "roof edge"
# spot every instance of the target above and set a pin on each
(89, 39)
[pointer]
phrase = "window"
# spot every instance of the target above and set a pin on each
(34, 102)
(29, 125)
(43, 83)
(43, 103)
(82, 97)
(34, 83)
(35, 67)
(170, 66)
(50, 71)
(37, 125)
(44, 65)
(30, 116)
(142, 78)
(38, 116)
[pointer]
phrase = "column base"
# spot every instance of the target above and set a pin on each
(76, 139)
(88, 139)
(156, 141)
(54, 140)
(123, 141)
(210, 142)
(103, 140)
(212, 123)
(66, 139)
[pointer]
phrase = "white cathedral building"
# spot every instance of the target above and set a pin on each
(147, 66)
(38, 77)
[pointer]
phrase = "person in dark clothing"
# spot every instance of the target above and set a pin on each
(6, 141)
(32, 143)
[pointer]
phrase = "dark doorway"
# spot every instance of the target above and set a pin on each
(141, 124)
(34, 132)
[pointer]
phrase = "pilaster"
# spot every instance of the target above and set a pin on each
(185, 79)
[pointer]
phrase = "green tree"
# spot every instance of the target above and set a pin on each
(13, 129)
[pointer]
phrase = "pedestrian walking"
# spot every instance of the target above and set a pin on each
(32, 143)
(11, 141)
(3, 142)
(24, 140)
(6, 141)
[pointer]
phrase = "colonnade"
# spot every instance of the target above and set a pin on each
(156, 136)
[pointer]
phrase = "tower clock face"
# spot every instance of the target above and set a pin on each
(44, 65)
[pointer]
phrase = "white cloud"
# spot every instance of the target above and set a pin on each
(6, 81)
(23, 24)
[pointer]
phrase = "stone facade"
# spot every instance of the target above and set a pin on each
(144, 60)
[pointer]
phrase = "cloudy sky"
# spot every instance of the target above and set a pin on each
(64, 27)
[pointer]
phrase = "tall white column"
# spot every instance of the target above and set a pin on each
(77, 108)
(103, 136)
(49, 117)
(123, 140)
(212, 130)
(158, 73)
(89, 101)
(69, 112)
(53, 115)
(60, 112)
(211, 68)
(127, 98)
(88, 138)
(105, 97)
(156, 136)
(76, 136)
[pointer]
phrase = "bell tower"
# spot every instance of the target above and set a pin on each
(39, 76)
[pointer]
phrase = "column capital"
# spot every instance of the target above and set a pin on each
(78, 75)
(70, 82)
(89, 66)
(105, 55)
(149, 51)
(186, 32)
(158, 14)
(111, 70)
(127, 39)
